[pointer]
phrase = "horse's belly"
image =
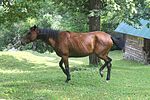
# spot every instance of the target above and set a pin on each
(79, 53)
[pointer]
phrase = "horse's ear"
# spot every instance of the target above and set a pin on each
(34, 27)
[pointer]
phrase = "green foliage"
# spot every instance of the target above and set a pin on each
(77, 23)
(17, 10)
(117, 10)
(129, 11)
(25, 75)
(40, 47)
(10, 34)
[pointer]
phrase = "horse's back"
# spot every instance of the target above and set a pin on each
(98, 36)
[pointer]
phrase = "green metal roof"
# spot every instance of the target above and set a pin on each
(125, 28)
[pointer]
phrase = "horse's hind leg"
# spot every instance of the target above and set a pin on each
(102, 68)
(107, 63)
(109, 68)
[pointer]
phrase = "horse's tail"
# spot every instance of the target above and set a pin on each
(119, 42)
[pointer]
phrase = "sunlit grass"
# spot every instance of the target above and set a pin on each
(27, 75)
(13, 71)
(28, 56)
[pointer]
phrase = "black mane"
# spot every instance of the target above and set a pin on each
(44, 34)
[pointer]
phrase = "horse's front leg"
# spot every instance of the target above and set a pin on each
(61, 66)
(66, 63)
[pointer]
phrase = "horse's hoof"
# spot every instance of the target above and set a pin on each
(101, 74)
(67, 80)
(107, 79)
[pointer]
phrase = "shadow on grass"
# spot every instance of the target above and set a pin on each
(9, 62)
(20, 78)
(16, 73)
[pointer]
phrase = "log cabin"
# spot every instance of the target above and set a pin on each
(137, 41)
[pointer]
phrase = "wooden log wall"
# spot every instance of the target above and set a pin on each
(134, 48)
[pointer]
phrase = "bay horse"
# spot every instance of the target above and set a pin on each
(70, 44)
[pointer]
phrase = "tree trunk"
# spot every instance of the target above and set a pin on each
(94, 25)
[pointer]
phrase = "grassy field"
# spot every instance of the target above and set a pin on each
(33, 76)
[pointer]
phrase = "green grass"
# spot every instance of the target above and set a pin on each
(33, 76)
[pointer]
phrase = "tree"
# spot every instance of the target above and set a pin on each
(94, 25)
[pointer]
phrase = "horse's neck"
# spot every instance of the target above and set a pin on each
(49, 36)
(45, 38)
(45, 34)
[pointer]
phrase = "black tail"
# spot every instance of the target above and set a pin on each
(119, 42)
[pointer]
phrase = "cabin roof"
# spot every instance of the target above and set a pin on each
(143, 31)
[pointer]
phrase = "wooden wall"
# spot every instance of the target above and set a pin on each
(134, 48)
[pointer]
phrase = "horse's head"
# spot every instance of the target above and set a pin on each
(30, 36)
